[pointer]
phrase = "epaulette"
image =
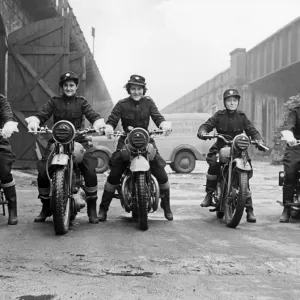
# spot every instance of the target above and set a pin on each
(124, 99)
(80, 97)
(221, 112)
(147, 97)
(240, 112)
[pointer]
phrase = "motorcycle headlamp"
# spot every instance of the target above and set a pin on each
(63, 132)
(241, 142)
(138, 138)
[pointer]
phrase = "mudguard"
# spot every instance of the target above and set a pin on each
(139, 164)
(60, 159)
(239, 163)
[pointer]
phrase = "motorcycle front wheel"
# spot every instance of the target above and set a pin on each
(141, 191)
(236, 198)
(60, 201)
(295, 213)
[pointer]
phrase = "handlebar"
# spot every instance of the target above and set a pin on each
(220, 136)
(78, 132)
(153, 133)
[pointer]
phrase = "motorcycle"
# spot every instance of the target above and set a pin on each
(66, 181)
(138, 190)
(232, 188)
(295, 205)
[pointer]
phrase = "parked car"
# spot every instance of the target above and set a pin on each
(180, 150)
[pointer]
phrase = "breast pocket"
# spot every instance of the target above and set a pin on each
(130, 116)
(77, 119)
(58, 114)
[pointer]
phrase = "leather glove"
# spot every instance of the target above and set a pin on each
(262, 143)
(289, 137)
(8, 128)
(201, 134)
(99, 124)
(165, 125)
(109, 131)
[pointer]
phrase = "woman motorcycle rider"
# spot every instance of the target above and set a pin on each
(291, 160)
(71, 107)
(232, 122)
(7, 158)
(135, 111)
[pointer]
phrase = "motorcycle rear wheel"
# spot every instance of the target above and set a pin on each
(141, 190)
(235, 203)
(60, 201)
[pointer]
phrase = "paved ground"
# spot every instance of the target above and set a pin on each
(194, 257)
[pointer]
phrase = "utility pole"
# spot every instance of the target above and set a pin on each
(93, 35)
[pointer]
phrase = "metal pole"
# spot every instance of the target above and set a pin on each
(93, 35)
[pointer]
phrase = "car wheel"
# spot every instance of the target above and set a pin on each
(103, 160)
(184, 162)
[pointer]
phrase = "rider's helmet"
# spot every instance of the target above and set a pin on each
(231, 93)
(68, 76)
(137, 80)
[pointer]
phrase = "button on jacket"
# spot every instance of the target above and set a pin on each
(72, 109)
(134, 113)
(293, 122)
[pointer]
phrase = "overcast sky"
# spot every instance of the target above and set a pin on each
(175, 44)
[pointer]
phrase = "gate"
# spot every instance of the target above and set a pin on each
(38, 54)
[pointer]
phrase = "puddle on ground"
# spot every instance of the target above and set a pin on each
(40, 297)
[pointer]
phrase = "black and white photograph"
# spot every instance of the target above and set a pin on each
(149, 149)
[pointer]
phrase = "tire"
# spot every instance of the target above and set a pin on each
(220, 214)
(235, 204)
(295, 213)
(103, 160)
(217, 198)
(60, 201)
(154, 193)
(184, 162)
(142, 200)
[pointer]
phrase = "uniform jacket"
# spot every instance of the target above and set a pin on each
(134, 113)
(293, 122)
(72, 109)
(5, 111)
(230, 123)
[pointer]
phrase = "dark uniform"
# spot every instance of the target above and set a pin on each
(6, 160)
(72, 109)
(136, 114)
(232, 123)
(291, 161)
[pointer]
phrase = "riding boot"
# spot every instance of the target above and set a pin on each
(210, 188)
(288, 194)
(91, 209)
(11, 198)
(249, 210)
(46, 209)
(104, 205)
(165, 204)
